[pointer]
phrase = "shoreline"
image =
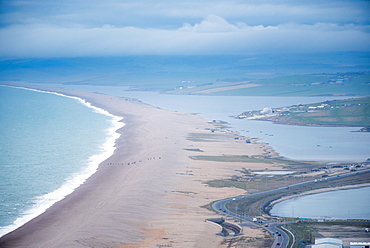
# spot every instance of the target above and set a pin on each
(276, 120)
(79, 177)
(148, 193)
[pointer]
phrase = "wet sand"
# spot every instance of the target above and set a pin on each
(150, 193)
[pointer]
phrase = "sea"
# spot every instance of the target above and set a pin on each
(50, 144)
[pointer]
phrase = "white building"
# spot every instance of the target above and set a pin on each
(328, 243)
(266, 111)
(359, 244)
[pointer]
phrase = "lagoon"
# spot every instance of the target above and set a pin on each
(292, 142)
(341, 204)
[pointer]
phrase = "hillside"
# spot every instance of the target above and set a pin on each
(351, 112)
(324, 84)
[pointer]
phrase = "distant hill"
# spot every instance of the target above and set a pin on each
(324, 84)
(245, 74)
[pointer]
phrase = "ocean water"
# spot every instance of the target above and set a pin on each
(354, 204)
(50, 144)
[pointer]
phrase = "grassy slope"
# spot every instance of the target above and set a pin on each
(296, 85)
(351, 112)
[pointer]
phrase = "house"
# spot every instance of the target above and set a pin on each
(266, 111)
(359, 244)
(328, 243)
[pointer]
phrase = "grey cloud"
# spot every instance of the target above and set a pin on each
(171, 14)
(213, 35)
(36, 28)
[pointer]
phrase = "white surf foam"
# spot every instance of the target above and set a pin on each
(42, 203)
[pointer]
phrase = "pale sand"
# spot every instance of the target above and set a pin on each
(156, 202)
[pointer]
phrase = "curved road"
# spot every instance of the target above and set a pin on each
(281, 240)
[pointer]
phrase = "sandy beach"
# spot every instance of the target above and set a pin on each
(150, 193)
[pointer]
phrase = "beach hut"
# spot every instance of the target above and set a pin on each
(359, 244)
(328, 243)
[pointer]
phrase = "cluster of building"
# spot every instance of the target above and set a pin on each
(271, 111)
(300, 108)
(281, 111)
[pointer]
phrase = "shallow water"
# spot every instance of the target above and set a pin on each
(49, 145)
(292, 142)
(342, 204)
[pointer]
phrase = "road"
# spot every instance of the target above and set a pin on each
(281, 240)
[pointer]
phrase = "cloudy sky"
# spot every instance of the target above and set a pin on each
(77, 28)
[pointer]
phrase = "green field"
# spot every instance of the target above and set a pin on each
(345, 84)
(350, 112)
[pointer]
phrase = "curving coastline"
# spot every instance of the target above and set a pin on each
(107, 148)
(148, 193)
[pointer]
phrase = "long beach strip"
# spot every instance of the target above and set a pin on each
(148, 193)
(106, 150)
